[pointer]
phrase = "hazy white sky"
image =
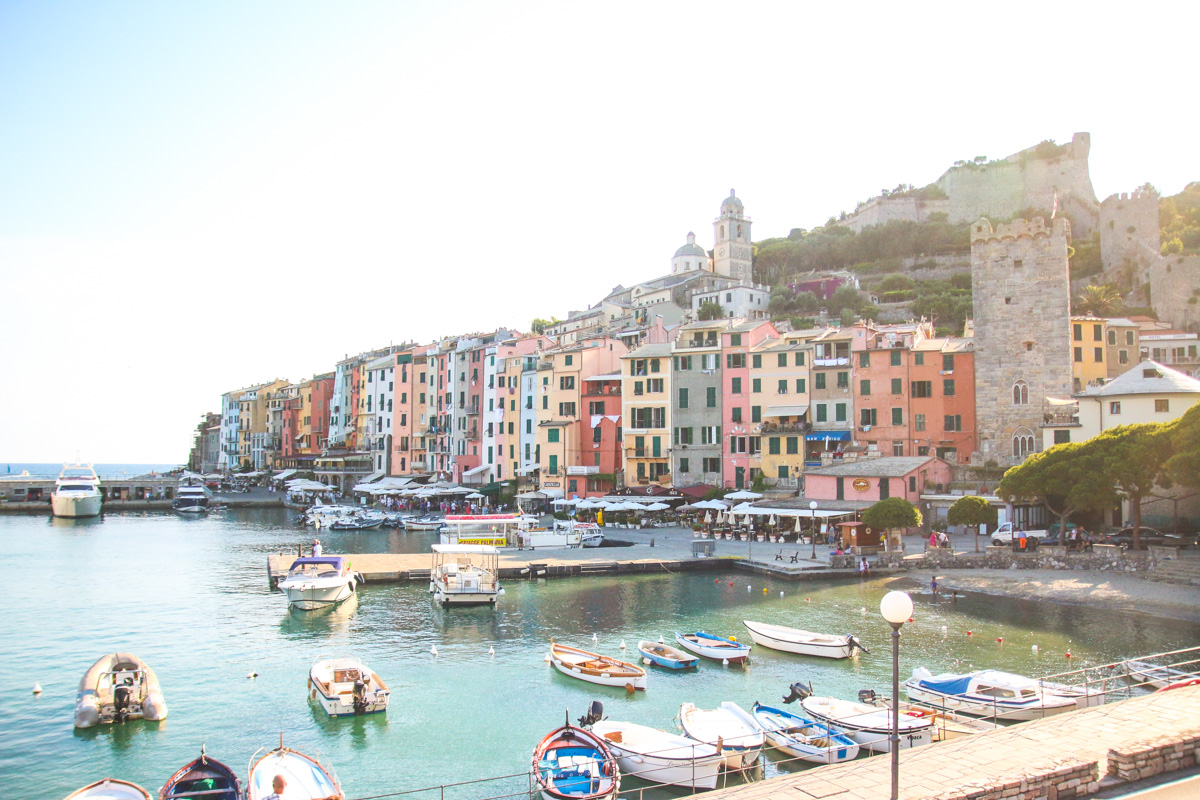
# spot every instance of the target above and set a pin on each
(196, 197)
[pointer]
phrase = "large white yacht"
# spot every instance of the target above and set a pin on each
(77, 492)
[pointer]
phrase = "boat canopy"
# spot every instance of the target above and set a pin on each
(332, 561)
(955, 685)
(480, 549)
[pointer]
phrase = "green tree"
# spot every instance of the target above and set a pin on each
(971, 511)
(1098, 301)
(847, 297)
(1183, 465)
(539, 325)
(1065, 479)
(710, 309)
(802, 323)
(892, 513)
(1134, 463)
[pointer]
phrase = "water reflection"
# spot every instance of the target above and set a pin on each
(73, 524)
(320, 621)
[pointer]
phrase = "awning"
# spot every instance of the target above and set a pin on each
(616, 376)
(824, 436)
(531, 496)
(283, 476)
(552, 493)
(477, 470)
(529, 469)
(1058, 401)
(373, 476)
(786, 411)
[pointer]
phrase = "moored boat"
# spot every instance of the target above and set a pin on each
(947, 725)
(465, 574)
(664, 655)
(1160, 677)
(316, 581)
(76, 492)
(358, 521)
(203, 779)
(660, 756)
(803, 738)
(805, 643)
(718, 648)
(870, 726)
(119, 686)
(990, 693)
(426, 523)
(728, 728)
(305, 777)
(345, 686)
(573, 763)
(595, 668)
(191, 497)
(110, 789)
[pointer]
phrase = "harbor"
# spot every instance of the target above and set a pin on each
(188, 595)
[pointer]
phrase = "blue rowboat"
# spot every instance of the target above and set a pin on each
(666, 656)
(718, 648)
(803, 738)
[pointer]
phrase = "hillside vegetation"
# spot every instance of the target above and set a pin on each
(1179, 221)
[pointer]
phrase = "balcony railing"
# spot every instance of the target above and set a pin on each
(1057, 419)
(783, 427)
(713, 342)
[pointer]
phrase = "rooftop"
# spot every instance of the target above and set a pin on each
(1148, 377)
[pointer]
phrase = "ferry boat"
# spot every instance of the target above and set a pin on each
(191, 497)
(77, 492)
(465, 575)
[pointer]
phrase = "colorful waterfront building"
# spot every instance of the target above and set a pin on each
(1089, 351)
(832, 404)
(410, 419)
(738, 339)
(779, 407)
(696, 368)
(646, 411)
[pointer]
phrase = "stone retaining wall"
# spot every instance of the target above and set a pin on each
(1063, 782)
(1004, 558)
(1139, 760)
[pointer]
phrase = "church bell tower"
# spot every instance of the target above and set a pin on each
(732, 254)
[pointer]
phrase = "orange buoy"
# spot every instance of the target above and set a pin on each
(1000, 639)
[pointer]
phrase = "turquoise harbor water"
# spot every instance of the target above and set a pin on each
(190, 596)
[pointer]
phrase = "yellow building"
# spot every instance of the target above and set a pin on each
(779, 407)
(1089, 351)
(646, 415)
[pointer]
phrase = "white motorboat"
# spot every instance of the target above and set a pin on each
(110, 789)
(119, 686)
(947, 725)
(718, 648)
(803, 738)
(590, 534)
(868, 725)
(323, 516)
(993, 694)
(345, 686)
(805, 643)
(1160, 677)
(76, 492)
(659, 756)
(465, 574)
(425, 523)
(316, 581)
(191, 497)
(728, 728)
(306, 777)
(595, 668)
(363, 520)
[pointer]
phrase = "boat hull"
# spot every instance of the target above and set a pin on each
(804, 738)
(110, 789)
(581, 665)
(980, 707)
(76, 507)
(337, 699)
(728, 728)
(308, 597)
(305, 776)
(96, 701)
(667, 656)
(659, 756)
(217, 781)
(836, 647)
(450, 598)
(190, 505)
(572, 763)
(717, 652)
(872, 729)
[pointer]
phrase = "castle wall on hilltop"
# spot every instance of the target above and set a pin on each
(1129, 235)
(1022, 319)
(1174, 290)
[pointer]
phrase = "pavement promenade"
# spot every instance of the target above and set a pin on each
(1065, 756)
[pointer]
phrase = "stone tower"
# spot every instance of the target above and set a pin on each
(689, 258)
(732, 253)
(1129, 235)
(1022, 304)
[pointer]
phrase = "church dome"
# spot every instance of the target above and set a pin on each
(691, 248)
(732, 203)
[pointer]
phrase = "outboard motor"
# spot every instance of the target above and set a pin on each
(866, 697)
(798, 692)
(121, 696)
(595, 714)
(856, 644)
(360, 697)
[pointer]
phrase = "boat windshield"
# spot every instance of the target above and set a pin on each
(77, 473)
(75, 487)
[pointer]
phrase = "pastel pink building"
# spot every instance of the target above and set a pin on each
(736, 342)
(871, 479)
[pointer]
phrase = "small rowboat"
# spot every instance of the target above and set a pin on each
(1159, 677)
(868, 725)
(110, 789)
(718, 648)
(595, 668)
(572, 763)
(307, 778)
(666, 656)
(729, 728)
(660, 756)
(805, 643)
(203, 779)
(803, 738)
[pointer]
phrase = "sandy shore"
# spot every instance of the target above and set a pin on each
(1096, 589)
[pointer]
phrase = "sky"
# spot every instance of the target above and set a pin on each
(199, 197)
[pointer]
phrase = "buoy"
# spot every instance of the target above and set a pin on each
(622, 644)
(781, 593)
(748, 587)
(862, 610)
(731, 583)
(547, 658)
(764, 590)
(1068, 654)
(968, 633)
(1035, 648)
(943, 629)
(716, 580)
(646, 661)
(433, 650)
(660, 640)
(595, 638)
(37, 688)
(1000, 639)
(725, 662)
(491, 651)
(252, 675)
(910, 619)
(629, 688)
(808, 599)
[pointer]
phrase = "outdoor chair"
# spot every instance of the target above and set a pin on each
(796, 557)
(779, 555)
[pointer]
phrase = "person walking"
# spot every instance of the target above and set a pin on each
(316, 548)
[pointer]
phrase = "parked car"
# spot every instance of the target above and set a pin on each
(1052, 531)
(1149, 536)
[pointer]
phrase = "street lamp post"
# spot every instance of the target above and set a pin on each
(812, 506)
(896, 608)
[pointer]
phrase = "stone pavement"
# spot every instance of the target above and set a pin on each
(1010, 762)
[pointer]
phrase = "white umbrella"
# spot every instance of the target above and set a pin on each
(707, 517)
(657, 507)
(743, 508)
(721, 516)
(773, 520)
(743, 495)
(474, 496)
(797, 523)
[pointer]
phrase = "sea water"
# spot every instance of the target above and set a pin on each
(190, 596)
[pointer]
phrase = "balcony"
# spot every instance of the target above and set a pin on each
(1060, 419)
(473, 408)
(703, 341)
(783, 427)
